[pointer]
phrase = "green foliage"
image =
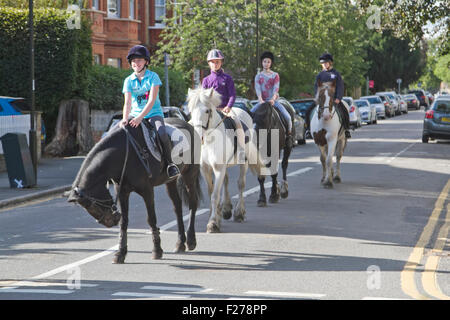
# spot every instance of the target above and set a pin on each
(442, 68)
(105, 83)
(297, 32)
(429, 81)
(63, 58)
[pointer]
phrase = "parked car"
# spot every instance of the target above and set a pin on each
(243, 104)
(253, 102)
(423, 99)
(10, 106)
(430, 97)
(389, 109)
(355, 115)
(299, 123)
(379, 105)
(436, 124)
(169, 112)
(402, 104)
(301, 106)
(411, 101)
(392, 97)
(368, 111)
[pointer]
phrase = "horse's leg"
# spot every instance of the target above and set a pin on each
(275, 192)
(216, 218)
(149, 197)
(328, 183)
(207, 173)
(119, 256)
(239, 212)
(193, 192)
(323, 161)
(284, 165)
(262, 201)
(339, 153)
(226, 206)
(178, 208)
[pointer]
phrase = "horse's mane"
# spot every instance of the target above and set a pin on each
(209, 97)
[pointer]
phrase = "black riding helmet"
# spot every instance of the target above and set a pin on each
(326, 57)
(267, 54)
(138, 51)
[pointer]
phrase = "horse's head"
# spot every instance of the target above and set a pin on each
(202, 105)
(262, 117)
(98, 204)
(325, 99)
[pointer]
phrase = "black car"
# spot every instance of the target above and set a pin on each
(423, 98)
(302, 105)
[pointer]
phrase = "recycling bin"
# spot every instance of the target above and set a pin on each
(18, 160)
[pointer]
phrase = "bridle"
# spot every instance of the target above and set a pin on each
(321, 108)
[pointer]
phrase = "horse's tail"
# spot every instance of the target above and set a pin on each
(184, 193)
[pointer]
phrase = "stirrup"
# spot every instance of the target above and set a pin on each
(177, 173)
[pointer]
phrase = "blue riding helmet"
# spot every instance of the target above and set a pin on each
(138, 51)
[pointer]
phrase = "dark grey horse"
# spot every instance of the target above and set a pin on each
(115, 159)
(266, 120)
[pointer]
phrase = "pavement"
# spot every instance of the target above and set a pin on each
(54, 177)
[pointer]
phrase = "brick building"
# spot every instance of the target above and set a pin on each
(121, 24)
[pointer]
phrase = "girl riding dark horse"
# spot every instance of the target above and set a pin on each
(271, 140)
(122, 157)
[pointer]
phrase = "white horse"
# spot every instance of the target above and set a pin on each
(218, 153)
(328, 133)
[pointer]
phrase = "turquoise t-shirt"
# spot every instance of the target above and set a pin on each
(140, 91)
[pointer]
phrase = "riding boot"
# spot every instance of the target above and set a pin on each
(172, 169)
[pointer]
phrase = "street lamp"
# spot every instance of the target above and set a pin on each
(32, 133)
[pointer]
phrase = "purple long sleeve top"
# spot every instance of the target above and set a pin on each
(223, 84)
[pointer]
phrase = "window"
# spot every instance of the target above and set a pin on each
(160, 11)
(131, 16)
(95, 5)
(114, 8)
(97, 59)
(114, 62)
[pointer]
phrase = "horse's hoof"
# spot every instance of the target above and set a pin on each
(157, 254)
(212, 228)
(274, 198)
(261, 203)
(118, 259)
(191, 245)
(285, 194)
(337, 179)
(239, 218)
(227, 214)
(180, 247)
(328, 185)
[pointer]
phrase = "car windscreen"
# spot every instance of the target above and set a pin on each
(302, 106)
(20, 105)
(373, 100)
(442, 106)
(360, 103)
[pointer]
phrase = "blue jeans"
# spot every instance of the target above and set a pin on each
(285, 114)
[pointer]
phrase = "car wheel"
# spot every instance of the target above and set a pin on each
(301, 141)
(425, 138)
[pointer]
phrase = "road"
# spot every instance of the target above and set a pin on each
(370, 237)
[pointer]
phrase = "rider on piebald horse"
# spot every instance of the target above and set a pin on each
(267, 85)
(142, 101)
(329, 74)
(223, 83)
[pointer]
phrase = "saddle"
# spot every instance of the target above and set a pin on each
(231, 124)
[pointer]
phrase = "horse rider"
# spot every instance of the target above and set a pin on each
(223, 83)
(329, 74)
(267, 85)
(142, 102)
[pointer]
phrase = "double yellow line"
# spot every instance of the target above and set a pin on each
(429, 281)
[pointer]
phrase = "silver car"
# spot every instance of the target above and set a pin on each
(436, 124)
(392, 96)
(379, 105)
(353, 110)
(368, 111)
(411, 101)
(299, 123)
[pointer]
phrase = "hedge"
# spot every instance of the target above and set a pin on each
(104, 89)
(63, 58)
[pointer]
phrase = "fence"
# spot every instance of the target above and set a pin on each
(16, 123)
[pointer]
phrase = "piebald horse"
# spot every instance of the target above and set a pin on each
(218, 153)
(328, 133)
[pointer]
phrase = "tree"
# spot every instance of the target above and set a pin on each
(442, 68)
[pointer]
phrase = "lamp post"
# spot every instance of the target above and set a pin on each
(32, 134)
(257, 36)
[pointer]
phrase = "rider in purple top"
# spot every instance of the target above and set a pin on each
(219, 80)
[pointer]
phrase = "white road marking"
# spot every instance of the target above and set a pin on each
(176, 289)
(148, 295)
(14, 290)
(287, 294)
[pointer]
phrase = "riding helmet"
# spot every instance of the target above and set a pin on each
(215, 54)
(138, 51)
(267, 54)
(326, 57)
